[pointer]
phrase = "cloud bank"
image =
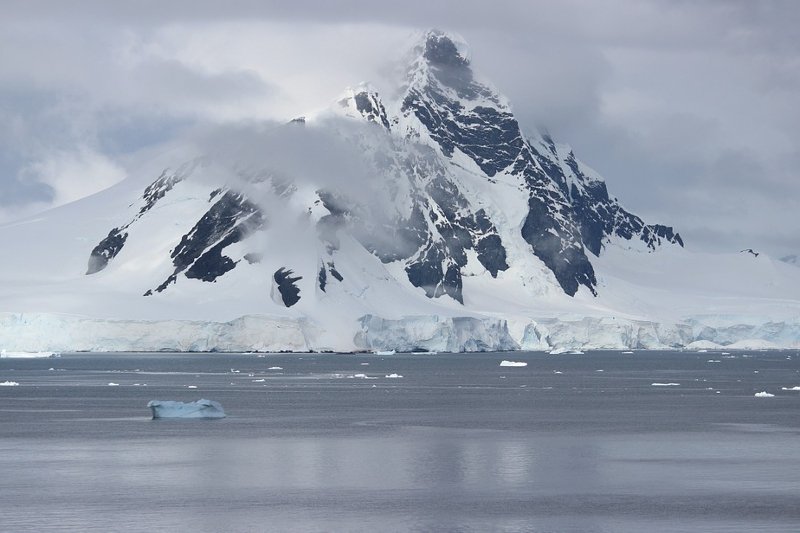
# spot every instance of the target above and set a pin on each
(687, 108)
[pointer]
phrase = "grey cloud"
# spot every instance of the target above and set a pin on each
(687, 107)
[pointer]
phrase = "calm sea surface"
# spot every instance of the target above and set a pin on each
(458, 443)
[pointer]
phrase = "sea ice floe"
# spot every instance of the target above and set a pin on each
(27, 355)
(112, 384)
(513, 363)
(275, 368)
(665, 384)
(782, 388)
(191, 386)
(627, 352)
(9, 384)
(200, 409)
(763, 394)
(258, 380)
(713, 361)
(393, 376)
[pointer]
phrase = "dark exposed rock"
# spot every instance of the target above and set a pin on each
(199, 253)
(104, 252)
(290, 293)
(371, 108)
(322, 278)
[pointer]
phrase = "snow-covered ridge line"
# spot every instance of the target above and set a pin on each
(64, 333)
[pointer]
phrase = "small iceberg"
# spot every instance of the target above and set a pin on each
(763, 394)
(665, 384)
(9, 384)
(796, 388)
(199, 409)
(627, 352)
(513, 363)
(27, 355)
(393, 376)
(385, 352)
(275, 368)
(112, 384)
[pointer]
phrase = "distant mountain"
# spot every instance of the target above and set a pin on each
(425, 219)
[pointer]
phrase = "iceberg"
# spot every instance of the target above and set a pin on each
(200, 409)
(763, 394)
(795, 388)
(665, 384)
(8, 384)
(513, 363)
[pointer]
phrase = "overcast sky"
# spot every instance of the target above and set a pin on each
(691, 110)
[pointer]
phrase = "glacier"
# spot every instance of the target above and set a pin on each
(198, 409)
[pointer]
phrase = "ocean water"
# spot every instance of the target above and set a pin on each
(327, 442)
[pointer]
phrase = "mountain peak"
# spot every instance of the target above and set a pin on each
(445, 49)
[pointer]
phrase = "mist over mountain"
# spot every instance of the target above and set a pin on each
(423, 218)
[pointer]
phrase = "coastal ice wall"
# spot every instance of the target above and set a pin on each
(50, 332)
(40, 332)
(434, 333)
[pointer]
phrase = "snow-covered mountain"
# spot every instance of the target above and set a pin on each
(420, 219)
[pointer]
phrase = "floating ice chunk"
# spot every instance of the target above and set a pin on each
(191, 386)
(386, 352)
(9, 384)
(628, 352)
(393, 376)
(763, 394)
(513, 363)
(601, 370)
(27, 355)
(112, 384)
(364, 364)
(797, 388)
(199, 409)
(713, 361)
(258, 380)
(557, 372)
(275, 368)
(665, 384)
